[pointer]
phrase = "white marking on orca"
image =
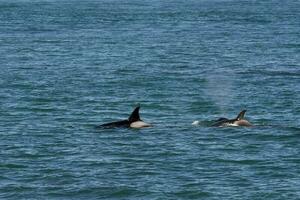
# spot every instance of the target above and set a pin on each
(139, 124)
(228, 124)
(242, 122)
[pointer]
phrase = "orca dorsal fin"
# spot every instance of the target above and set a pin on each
(135, 116)
(241, 115)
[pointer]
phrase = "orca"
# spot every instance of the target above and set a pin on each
(238, 121)
(134, 121)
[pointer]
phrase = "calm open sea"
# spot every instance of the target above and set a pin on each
(69, 65)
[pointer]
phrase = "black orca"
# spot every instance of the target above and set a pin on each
(238, 121)
(134, 121)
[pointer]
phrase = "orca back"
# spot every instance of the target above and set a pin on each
(123, 123)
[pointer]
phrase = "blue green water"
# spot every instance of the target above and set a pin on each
(67, 66)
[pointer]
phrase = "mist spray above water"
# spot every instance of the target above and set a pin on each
(220, 90)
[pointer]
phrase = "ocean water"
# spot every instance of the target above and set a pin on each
(68, 66)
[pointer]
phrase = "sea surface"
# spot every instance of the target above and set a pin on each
(70, 65)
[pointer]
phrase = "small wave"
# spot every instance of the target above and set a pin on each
(292, 73)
